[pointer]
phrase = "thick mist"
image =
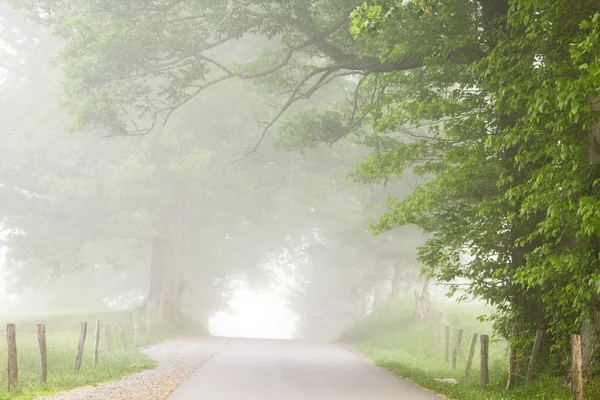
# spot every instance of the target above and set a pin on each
(184, 183)
(184, 219)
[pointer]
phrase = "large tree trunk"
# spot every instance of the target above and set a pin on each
(589, 341)
(380, 290)
(164, 295)
(422, 311)
(590, 330)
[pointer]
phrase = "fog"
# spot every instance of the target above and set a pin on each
(238, 211)
(184, 175)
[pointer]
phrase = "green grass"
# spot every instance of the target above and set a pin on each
(62, 335)
(393, 341)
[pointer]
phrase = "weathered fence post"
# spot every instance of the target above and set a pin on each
(576, 368)
(136, 334)
(447, 347)
(107, 334)
(79, 354)
(512, 368)
(456, 348)
(471, 354)
(122, 335)
(13, 366)
(534, 354)
(41, 337)
(483, 370)
(96, 342)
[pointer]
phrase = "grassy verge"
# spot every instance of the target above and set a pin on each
(394, 342)
(62, 335)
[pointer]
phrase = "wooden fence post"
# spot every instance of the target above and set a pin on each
(122, 335)
(136, 334)
(96, 342)
(456, 348)
(79, 354)
(576, 368)
(13, 366)
(41, 337)
(471, 354)
(512, 368)
(447, 347)
(534, 354)
(483, 370)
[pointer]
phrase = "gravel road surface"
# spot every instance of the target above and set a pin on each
(177, 360)
(251, 369)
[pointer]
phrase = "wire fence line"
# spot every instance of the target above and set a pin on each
(505, 359)
(460, 345)
(23, 344)
(48, 330)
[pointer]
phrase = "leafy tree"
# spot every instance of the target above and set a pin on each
(512, 146)
(156, 56)
(504, 94)
(172, 199)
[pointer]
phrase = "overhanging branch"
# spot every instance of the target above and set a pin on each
(293, 98)
(317, 39)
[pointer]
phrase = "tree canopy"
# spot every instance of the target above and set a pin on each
(82, 204)
(494, 103)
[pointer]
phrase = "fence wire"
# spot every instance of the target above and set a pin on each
(73, 344)
(49, 330)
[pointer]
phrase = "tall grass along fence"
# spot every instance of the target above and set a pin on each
(33, 352)
(453, 346)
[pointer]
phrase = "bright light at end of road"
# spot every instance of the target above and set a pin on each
(256, 315)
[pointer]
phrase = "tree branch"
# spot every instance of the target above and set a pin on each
(315, 38)
(293, 98)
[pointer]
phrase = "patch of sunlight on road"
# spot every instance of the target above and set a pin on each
(256, 315)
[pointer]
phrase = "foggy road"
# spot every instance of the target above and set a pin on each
(254, 369)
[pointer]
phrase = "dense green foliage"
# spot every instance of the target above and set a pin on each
(513, 149)
(493, 103)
